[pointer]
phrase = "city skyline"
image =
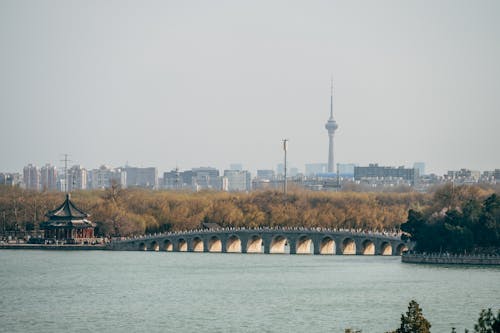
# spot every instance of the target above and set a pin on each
(219, 83)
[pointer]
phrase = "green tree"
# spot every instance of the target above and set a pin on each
(488, 322)
(487, 230)
(413, 321)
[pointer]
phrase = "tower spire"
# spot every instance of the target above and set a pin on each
(331, 126)
(331, 97)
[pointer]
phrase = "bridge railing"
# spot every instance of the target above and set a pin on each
(444, 255)
(384, 233)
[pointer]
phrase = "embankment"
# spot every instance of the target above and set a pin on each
(450, 259)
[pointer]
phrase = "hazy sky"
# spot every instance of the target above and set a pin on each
(210, 83)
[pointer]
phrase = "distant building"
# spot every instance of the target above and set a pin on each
(293, 172)
(142, 177)
(48, 178)
(420, 166)
(237, 181)
(10, 179)
(266, 174)
(346, 170)
(280, 169)
(77, 178)
(188, 179)
(196, 179)
(236, 166)
(312, 169)
(463, 176)
(172, 180)
(31, 177)
(384, 174)
(105, 176)
(206, 178)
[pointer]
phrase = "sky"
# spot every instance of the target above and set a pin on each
(210, 83)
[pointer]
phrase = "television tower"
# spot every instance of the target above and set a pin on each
(331, 126)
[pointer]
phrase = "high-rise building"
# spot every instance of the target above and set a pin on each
(31, 177)
(77, 178)
(313, 169)
(380, 173)
(10, 179)
(237, 181)
(48, 177)
(331, 126)
(266, 174)
(172, 180)
(420, 166)
(206, 178)
(142, 177)
(105, 177)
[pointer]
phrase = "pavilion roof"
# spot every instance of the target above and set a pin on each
(67, 211)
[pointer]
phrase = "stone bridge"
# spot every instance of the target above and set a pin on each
(292, 241)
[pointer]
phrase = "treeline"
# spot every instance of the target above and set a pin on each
(467, 223)
(122, 212)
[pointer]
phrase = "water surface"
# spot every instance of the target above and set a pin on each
(82, 291)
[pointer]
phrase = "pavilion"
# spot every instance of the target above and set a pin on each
(68, 223)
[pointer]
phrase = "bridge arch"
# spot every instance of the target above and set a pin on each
(233, 244)
(368, 247)
(182, 245)
(348, 246)
(197, 244)
(154, 246)
(214, 244)
(386, 249)
(143, 247)
(401, 248)
(168, 246)
(254, 244)
(327, 245)
(304, 245)
(279, 244)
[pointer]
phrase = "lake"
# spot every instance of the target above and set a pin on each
(82, 291)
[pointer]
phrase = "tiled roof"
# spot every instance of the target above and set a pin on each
(67, 210)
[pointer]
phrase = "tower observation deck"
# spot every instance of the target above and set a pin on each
(331, 126)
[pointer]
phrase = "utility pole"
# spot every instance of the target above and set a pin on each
(338, 178)
(66, 179)
(4, 222)
(285, 148)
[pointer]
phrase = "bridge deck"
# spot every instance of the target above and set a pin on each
(269, 240)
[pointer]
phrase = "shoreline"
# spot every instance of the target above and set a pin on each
(450, 259)
(65, 247)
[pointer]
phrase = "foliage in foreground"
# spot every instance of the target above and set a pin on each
(414, 322)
